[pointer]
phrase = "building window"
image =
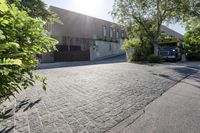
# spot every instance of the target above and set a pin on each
(111, 32)
(64, 40)
(117, 35)
(122, 34)
(104, 31)
(114, 33)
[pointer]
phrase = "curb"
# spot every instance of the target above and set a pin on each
(130, 120)
(119, 127)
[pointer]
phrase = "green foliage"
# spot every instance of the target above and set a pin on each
(192, 43)
(131, 43)
(192, 36)
(136, 56)
(36, 9)
(190, 9)
(149, 15)
(155, 59)
(140, 50)
(9, 61)
(192, 22)
(139, 42)
(21, 39)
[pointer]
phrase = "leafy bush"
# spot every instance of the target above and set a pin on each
(193, 56)
(192, 43)
(141, 49)
(22, 38)
(136, 56)
(109, 39)
(155, 59)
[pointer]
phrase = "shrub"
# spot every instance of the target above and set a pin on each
(132, 57)
(22, 38)
(100, 39)
(192, 43)
(155, 59)
(137, 55)
(193, 56)
(109, 39)
(141, 49)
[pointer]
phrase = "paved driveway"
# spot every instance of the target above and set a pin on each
(92, 97)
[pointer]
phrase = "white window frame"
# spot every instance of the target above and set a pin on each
(117, 34)
(111, 32)
(104, 30)
(122, 34)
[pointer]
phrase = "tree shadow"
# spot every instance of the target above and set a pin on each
(25, 105)
(7, 114)
(30, 105)
(7, 130)
(111, 60)
(22, 104)
(164, 76)
(167, 77)
(196, 77)
(184, 72)
(194, 67)
(197, 86)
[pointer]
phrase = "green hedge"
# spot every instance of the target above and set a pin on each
(155, 59)
(193, 57)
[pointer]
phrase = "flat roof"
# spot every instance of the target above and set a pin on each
(165, 28)
(50, 7)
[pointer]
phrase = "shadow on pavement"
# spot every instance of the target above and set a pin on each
(185, 72)
(116, 59)
(25, 105)
(7, 130)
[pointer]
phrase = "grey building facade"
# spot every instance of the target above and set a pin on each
(79, 32)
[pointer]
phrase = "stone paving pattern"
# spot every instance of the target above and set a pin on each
(88, 99)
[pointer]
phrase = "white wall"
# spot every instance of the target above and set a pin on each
(103, 49)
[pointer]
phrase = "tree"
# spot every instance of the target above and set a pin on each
(192, 36)
(151, 14)
(36, 9)
(190, 9)
(139, 42)
(192, 39)
(21, 39)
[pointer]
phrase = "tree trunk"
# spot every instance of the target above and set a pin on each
(155, 45)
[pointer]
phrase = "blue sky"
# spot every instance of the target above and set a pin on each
(96, 8)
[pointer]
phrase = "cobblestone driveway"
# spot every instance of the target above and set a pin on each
(89, 99)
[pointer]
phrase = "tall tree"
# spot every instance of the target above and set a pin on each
(151, 14)
(192, 38)
(36, 9)
(192, 43)
(138, 41)
(190, 8)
